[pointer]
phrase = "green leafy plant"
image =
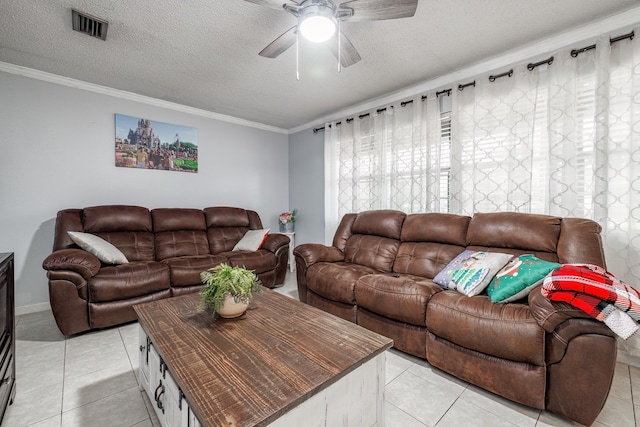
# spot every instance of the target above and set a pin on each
(222, 279)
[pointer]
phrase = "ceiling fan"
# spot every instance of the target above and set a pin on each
(318, 21)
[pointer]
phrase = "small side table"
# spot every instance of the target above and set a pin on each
(292, 244)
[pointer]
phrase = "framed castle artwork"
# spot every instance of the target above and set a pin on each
(149, 144)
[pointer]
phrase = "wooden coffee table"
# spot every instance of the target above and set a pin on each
(282, 363)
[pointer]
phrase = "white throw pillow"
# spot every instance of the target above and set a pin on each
(104, 250)
(252, 240)
(473, 273)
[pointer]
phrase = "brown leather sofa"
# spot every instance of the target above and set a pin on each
(166, 249)
(378, 273)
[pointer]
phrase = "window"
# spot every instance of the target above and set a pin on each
(386, 162)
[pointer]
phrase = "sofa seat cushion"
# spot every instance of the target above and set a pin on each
(185, 271)
(128, 281)
(258, 261)
(402, 298)
(507, 331)
(336, 281)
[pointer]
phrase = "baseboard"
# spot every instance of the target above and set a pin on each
(33, 308)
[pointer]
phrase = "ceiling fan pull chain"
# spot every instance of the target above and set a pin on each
(298, 55)
(339, 47)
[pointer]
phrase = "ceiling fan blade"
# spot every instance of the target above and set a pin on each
(275, 4)
(348, 53)
(279, 45)
(373, 10)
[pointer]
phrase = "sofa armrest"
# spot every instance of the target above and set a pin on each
(580, 354)
(275, 241)
(563, 322)
(308, 254)
(312, 253)
(550, 314)
(77, 260)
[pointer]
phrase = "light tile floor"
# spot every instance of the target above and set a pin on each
(90, 380)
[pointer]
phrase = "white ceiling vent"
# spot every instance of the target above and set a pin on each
(90, 25)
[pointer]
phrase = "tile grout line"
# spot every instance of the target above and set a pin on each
(449, 408)
(501, 417)
(136, 378)
(134, 374)
(64, 369)
(406, 413)
(633, 406)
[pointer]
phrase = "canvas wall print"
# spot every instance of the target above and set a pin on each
(149, 144)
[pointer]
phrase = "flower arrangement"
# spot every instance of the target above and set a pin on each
(287, 217)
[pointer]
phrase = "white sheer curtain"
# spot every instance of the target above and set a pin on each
(389, 159)
(562, 139)
(495, 149)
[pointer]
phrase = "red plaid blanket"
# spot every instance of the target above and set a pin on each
(593, 290)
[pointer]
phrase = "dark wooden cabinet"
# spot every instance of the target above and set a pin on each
(7, 334)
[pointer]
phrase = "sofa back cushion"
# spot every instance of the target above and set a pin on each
(66, 220)
(226, 226)
(179, 232)
(343, 232)
(375, 238)
(515, 233)
(384, 223)
(429, 241)
(580, 242)
(371, 251)
(128, 228)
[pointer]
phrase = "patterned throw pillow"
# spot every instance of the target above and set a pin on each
(519, 277)
(252, 240)
(471, 273)
(102, 249)
(443, 278)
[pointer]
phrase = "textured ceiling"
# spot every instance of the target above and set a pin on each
(204, 53)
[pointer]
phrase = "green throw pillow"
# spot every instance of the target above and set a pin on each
(518, 278)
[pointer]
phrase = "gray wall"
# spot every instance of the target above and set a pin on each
(306, 184)
(57, 152)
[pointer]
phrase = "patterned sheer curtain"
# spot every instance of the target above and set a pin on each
(562, 139)
(387, 159)
(496, 151)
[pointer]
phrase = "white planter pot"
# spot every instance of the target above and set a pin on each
(231, 309)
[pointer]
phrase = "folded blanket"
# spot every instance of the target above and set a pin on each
(598, 293)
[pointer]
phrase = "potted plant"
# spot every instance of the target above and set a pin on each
(228, 290)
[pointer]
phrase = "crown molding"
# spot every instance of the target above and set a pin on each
(576, 37)
(130, 96)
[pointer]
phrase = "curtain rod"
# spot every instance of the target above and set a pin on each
(492, 78)
(577, 52)
(548, 61)
(462, 86)
(361, 116)
(531, 66)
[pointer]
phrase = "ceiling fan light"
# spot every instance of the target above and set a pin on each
(318, 26)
